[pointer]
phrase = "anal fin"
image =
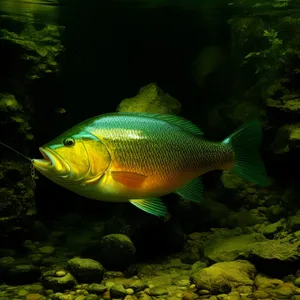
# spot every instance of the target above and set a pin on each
(153, 206)
(192, 191)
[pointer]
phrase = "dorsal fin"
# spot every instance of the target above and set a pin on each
(172, 119)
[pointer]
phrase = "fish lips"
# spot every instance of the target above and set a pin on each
(51, 162)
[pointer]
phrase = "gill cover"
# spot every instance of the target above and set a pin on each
(85, 154)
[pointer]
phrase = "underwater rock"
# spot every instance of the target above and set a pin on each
(96, 288)
(290, 106)
(287, 138)
(231, 181)
(22, 274)
(268, 287)
(5, 264)
(244, 219)
(50, 280)
(86, 270)
(9, 103)
(116, 250)
(152, 99)
(270, 230)
(276, 257)
(294, 222)
(118, 291)
(220, 278)
(221, 249)
(41, 47)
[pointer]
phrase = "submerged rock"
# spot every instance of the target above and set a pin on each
(86, 270)
(50, 280)
(220, 278)
(276, 257)
(287, 138)
(22, 274)
(152, 99)
(117, 250)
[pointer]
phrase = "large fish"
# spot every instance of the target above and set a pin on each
(139, 157)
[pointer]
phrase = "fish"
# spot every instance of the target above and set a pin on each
(139, 157)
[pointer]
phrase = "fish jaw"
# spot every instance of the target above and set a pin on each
(51, 163)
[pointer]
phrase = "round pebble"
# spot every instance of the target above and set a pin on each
(61, 273)
(129, 291)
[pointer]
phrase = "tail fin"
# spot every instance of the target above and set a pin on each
(247, 162)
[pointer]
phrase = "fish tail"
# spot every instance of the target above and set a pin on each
(247, 161)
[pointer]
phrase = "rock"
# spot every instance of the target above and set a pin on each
(197, 266)
(283, 291)
(5, 264)
(287, 138)
(40, 47)
(222, 277)
(262, 280)
(275, 213)
(231, 181)
(270, 230)
(297, 281)
(151, 99)
(60, 273)
(137, 285)
(290, 106)
(144, 296)
(92, 297)
(22, 274)
(189, 295)
(182, 281)
(48, 250)
(294, 222)
(96, 288)
(261, 295)
(129, 291)
(276, 257)
(118, 291)
(34, 296)
(117, 251)
(244, 219)
(86, 270)
(58, 284)
(230, 248)
(158, 291)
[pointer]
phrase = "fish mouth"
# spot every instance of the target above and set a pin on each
(51, 162)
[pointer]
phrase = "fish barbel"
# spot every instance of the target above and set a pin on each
(139, 157)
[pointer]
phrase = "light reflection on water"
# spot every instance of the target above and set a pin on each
(30, 11)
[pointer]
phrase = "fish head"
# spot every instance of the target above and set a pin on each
(72, 158)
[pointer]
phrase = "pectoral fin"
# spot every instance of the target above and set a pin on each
(152, 206)
(129, 179)
(192, 191)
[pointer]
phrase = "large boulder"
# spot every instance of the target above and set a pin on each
(86, 270)
(116, 251)
(152, 99)
(58, 281)
(220, 278)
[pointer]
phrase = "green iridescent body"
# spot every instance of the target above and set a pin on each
(139, 156)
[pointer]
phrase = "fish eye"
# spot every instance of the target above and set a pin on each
(69, 142)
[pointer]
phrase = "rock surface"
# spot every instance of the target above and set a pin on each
(86, 270)
(151, 99)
